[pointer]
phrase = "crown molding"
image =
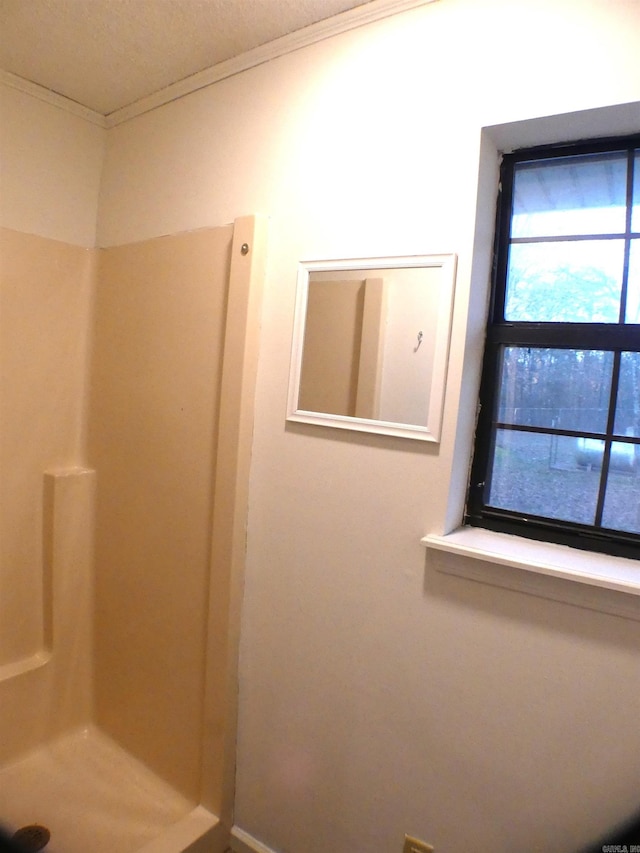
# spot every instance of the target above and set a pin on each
(370, 12)
(52, 98)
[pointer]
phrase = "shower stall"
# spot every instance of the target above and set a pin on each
(127, 381)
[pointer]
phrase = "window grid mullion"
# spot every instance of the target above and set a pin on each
(606, 455)
(579, 336)
(574, 238)
(628, 235)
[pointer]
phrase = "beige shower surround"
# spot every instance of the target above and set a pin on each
(127, 379)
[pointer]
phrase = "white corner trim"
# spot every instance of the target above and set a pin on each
(583, 578)
(242, 842)
(372, 11)
(52, 98)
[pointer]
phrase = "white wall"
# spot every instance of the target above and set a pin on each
(50, 167)
(377, 696)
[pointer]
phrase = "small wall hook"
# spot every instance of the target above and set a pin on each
(417, 346)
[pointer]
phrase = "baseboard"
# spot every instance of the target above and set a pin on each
(242, 842)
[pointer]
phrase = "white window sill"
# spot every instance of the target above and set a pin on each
(596, 581)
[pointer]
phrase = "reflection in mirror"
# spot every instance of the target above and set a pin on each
(371, 343)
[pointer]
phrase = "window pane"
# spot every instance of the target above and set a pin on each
(622, 499)
(538, 474)
(561, 388)
(627, 420)
(571, 282)
(635, 216)
(571, 195)
(632, 314)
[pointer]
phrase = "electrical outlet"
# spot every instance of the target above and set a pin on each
(414, 845)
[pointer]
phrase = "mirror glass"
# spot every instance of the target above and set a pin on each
(371, 342)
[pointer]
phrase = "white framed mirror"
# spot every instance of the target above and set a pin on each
(371, 344)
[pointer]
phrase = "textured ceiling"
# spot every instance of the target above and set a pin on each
(107, 54)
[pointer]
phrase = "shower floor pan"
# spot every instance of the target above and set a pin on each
(93, 796)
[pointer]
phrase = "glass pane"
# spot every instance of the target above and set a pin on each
(570, 195)
(635, 214)
(539, 474)
(627, 420)
(632, 314)
(622, 499)
(565, 282)
(560, 388)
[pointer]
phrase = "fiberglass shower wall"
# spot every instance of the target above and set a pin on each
(45, 303)
(158, 345)
(159, 315)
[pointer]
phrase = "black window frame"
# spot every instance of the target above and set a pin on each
(616, 337)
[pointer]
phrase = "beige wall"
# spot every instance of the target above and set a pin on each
(135, 343)
(159, 334)
(46, 519)
(46, 291)
(332, 336)
(120, 362)
(377, 696)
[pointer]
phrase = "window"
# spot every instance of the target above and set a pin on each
(558, 441)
